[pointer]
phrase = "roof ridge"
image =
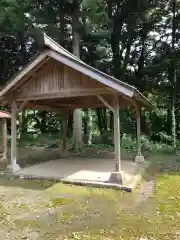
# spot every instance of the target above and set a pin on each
(58, 45)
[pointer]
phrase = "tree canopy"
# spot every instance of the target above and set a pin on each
(136, 41)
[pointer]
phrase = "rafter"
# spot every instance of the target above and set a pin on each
(103, 100)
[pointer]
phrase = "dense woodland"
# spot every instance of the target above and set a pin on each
(137, 41)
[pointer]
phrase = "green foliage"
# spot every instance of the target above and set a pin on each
(95, 10)
(130, 40)
(40, 140)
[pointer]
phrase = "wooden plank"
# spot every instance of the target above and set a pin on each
(55, 77)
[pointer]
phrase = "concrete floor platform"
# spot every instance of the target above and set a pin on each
(84, 170)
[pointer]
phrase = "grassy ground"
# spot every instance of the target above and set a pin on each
(44, 210)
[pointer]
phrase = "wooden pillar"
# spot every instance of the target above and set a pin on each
(139, 157)
(138, 123)
(13, 167)
(4, 138)
(117, 148)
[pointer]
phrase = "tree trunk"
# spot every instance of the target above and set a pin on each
(104, 114)
(114, 38)
(131, 28)
(62, 25)
(89, 127)
(174, 120)
(111, 121)
(77, 130)
(141, 60)
(77, 117)
(173, 74)
(43, 122)
(23, 123)
(64, 124)
(70, 126)
(100, 124)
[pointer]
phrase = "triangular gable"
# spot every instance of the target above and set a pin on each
(85, 68)
(55, 51)
(56, 79)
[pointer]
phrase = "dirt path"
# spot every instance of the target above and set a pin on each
(146, 191)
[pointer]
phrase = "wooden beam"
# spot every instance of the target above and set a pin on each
(58, 107)
(50, 107)
(105, 102)
(117, 147)
(131, 100)
(126, 98)
(84, 101)
(64, 94)
(22, 105)
(37, 106)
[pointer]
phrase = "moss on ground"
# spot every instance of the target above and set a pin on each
(60, 201)
(45, 210)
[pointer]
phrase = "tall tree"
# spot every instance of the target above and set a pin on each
(173, 73)
(77, 115)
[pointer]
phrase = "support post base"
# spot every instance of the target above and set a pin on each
(139, 159)
(115, 177)
(13, 168)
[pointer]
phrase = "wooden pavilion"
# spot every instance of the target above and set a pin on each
(56, 80)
